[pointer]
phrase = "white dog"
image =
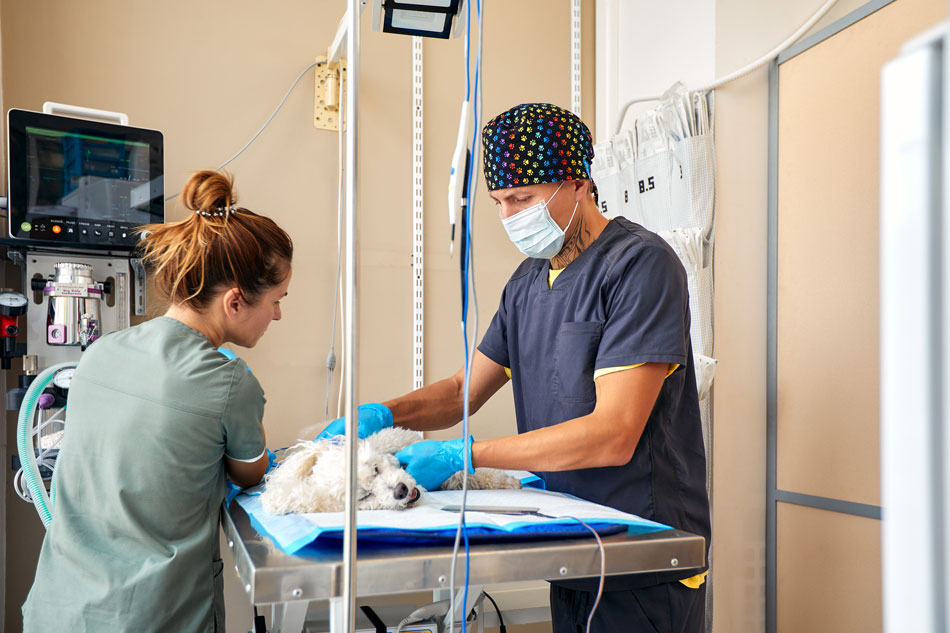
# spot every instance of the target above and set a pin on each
(310, 477)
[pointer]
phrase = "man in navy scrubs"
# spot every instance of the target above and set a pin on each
(593, 331)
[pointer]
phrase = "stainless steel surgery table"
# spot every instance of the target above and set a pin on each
(272, 577)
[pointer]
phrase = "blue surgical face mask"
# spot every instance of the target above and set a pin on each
(535, 232)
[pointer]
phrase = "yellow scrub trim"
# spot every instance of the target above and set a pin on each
(552, 275)
(695, 582)
(609, 370)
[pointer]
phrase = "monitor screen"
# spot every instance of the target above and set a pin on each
(79, 182)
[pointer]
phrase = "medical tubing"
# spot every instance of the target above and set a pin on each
(266, 123)
(52, 482)
(750, 68)
(52, 489)
(465, 262)
(470, 281)
(25, 448)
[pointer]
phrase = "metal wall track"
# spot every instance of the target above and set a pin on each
(576, 57)
(417, 223)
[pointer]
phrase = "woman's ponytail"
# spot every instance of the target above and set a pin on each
(217, 246)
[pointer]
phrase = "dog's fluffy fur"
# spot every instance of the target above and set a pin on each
(310, 477)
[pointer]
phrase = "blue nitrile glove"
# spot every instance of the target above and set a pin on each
(432, 462)
(374, 417)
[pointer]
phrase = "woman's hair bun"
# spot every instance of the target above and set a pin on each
(208, 191)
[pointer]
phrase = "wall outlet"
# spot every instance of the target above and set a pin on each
(329, 78)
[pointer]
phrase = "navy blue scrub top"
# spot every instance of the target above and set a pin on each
(623, 301)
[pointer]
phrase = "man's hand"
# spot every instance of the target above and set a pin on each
(432, 462)
(373, 418)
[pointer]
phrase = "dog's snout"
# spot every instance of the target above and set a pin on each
(401, 492)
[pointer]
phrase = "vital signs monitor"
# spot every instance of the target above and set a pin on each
(75, 182)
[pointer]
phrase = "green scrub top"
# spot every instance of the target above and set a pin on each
(133, 545)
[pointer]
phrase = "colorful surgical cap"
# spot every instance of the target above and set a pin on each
(533, 144)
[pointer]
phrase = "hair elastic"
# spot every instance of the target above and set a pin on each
(222, 211)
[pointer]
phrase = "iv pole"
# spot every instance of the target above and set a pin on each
(343, 610)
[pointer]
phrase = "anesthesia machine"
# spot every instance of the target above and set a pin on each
(78, 191)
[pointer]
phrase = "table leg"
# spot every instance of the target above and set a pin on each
(289, 617)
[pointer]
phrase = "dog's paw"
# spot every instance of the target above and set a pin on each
(483, 479)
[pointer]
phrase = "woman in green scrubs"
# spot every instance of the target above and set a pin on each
(157, 420)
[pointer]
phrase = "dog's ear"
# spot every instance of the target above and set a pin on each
(392, 440)
(304, 458)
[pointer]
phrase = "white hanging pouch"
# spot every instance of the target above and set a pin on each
(705, 372)
(605, 171)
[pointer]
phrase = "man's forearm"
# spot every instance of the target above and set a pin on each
(433, 407)
(586, 442)
(439, 405)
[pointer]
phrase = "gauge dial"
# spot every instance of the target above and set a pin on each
(12, 299)
(12, 304)
(64, 377)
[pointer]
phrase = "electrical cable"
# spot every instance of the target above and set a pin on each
(424, 613)
(501, 620)
(263, 127)
(331, 356)
(339, 277)
(600, 546)
(749, 68)
(600, 585)
(260, 625)
(339, 298)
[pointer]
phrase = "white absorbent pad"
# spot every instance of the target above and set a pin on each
(427, 521)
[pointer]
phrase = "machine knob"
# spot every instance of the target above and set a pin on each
(45, 401)
(37, 283)
(11, 330)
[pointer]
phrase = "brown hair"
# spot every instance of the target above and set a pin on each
(218, 245)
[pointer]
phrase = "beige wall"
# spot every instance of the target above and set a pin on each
(207, 74)
(744, 29)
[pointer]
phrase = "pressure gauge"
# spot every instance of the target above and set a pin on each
(64, 377)
(12, 303)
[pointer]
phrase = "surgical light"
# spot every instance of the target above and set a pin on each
(425, 18)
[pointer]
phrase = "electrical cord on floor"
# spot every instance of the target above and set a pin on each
(501, 620)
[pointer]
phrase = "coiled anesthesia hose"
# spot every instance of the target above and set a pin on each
(42, 500)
